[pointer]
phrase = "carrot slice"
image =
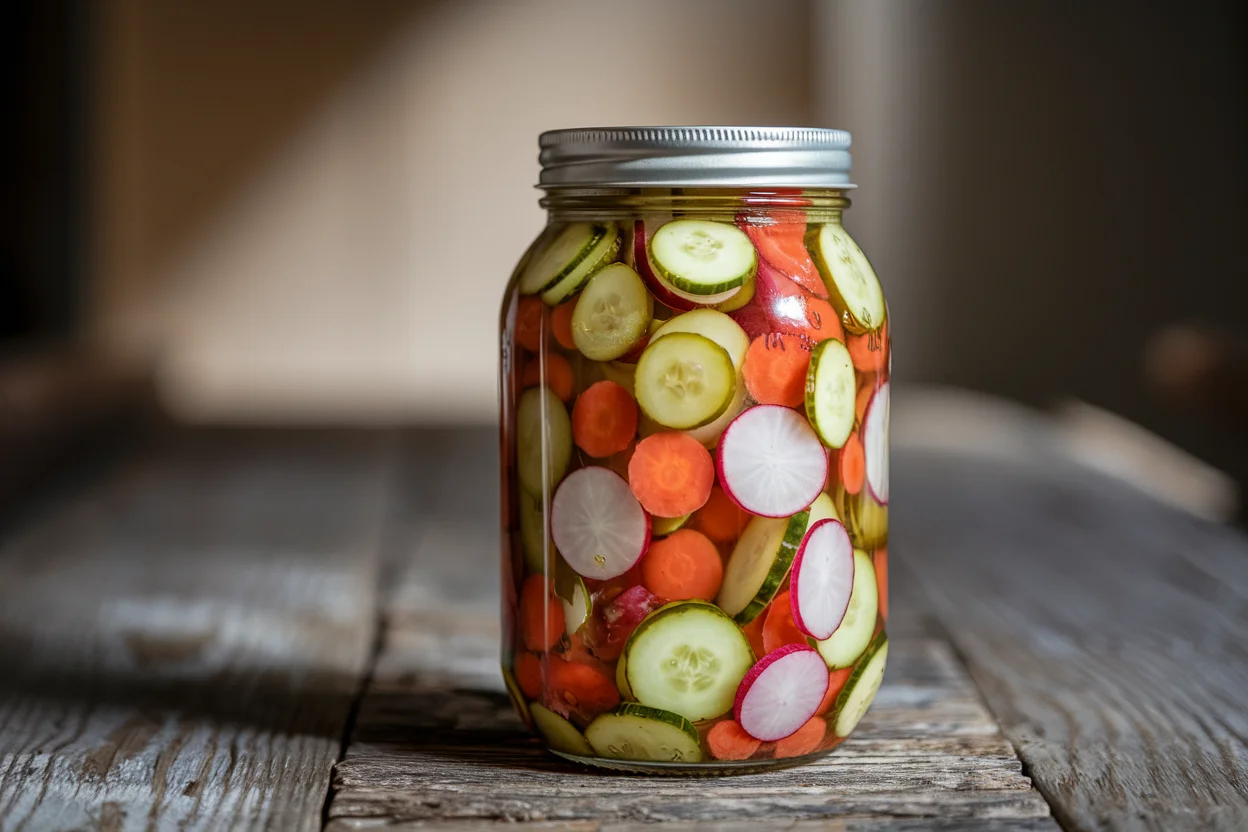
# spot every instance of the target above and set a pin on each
(720, 519)
(558, 375)
(728, 741)
(864, 396)
(529, 675)
(804, 740)
(604, 419)
(578, 687)
(682, 566)
(880, 560)
(754, 635)
(775, 369)
(853, 464)
(561, 324)
(541, 614)
(783, 245)
(822, 322)
(671, 474)
(869, 350)
(779, 628)
(530, 323)
(836, 683)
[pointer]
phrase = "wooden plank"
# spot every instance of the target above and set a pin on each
(182, 642)
(1106, 631)
(436, 744)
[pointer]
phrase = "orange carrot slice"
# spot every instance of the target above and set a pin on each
(529, 675)
(853, 464)
(775, 369)
(869, 350)
(720, 519)
(865, 389)
(682, 566)
(604, 419)
(541, 614)
(881, 579)
(558, 375)
(836, 683)
(804, 740)
(783, 245)
(561, 324)
(671, 474)
(754, 635)
(779, 629)
(578, 687)
(530, 323)
(728, 741)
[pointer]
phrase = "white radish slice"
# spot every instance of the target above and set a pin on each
(875, 444)
(781, 692)
(770, 461)
(822, 579)
(598, 525)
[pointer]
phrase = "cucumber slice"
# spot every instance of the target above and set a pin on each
(612, 314)
(543, 440)
(702, 258)
(636, 732)
(823, 508)
(563, 250)
(534, 539)
(713, 325)
(663, 526)
(600, 255)
(853, 288)
(709, 433)
(684, 380)
(830, 390)
(861, 688)
(845, 646)
(759, 563)
(743, 296)
(517, 696)
(619, 372)
(573, 595)
(864, 518)
(687, 657)
(621, 679)
(559, 734)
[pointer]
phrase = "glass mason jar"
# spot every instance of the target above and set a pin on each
(695, 414)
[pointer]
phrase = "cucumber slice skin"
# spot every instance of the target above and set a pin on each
(713, 325)
(534, 536)
(612, 314)
(762, 532)
(702, 258)
(542, 424)
(601, 255)
(559, 255)
(577, 603)
(558, 733)
(830, 391)
(852, 639)
(644, 734)
(651, 646)
(684, 353)
(663, 526)
(859, 691)
(853, 288)
(621, 680)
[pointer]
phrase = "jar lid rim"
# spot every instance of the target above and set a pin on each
(695, 155)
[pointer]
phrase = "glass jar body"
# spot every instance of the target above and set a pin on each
(694, 399)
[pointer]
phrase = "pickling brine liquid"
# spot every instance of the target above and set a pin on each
(695, 417)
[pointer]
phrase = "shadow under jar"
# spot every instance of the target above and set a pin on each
(695, 415)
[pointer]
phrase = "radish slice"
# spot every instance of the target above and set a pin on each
(770, 461)
(597, 523)
(663, 293)
(875, 444)
(822, 579)
(781, 692)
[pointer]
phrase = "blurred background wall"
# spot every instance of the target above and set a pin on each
(304, 212)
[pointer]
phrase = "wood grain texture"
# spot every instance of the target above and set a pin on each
(436, 744)
(181, 644)
(1106, 631)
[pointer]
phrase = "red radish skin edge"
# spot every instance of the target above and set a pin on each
(756, 672)
(795, 579)
(866, 420)
(645, 542)
(642, 265)
(727, 486)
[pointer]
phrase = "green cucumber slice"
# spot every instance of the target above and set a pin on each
(663, 526)
(864, 519)
(759, 563)
(574, 596)
(853, 288)
(517, 696)
(860, 690)
(844, 647)
(830, 392)
(621, 680)
(702, 257)
(711, 324)
(823, 508)
(687, 657)
(612, 314)
(708, 435)
(600, 255)
(534, 539)
(564, 250)
(543, 440)
(684, 380)
(619, 372)
(559, 734)
(651, 735)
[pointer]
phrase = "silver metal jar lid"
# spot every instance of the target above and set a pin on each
(634, 157)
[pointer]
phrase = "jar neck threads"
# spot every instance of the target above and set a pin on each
(570, 204)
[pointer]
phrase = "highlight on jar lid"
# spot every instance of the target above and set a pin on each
(695, 156)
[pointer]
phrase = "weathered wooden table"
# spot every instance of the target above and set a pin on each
(236, 630)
